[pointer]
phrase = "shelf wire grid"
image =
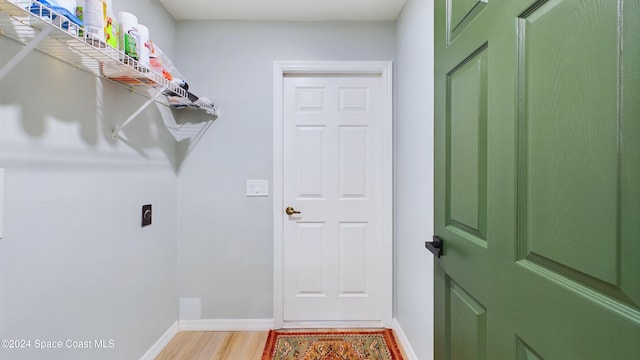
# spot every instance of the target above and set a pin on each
(23, 20)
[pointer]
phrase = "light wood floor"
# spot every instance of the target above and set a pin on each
(213, 345)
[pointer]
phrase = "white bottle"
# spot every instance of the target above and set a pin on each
(128, 33)
(143, 45)
(94, 14)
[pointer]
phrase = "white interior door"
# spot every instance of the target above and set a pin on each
(335, 258)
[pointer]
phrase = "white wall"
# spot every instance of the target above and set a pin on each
(74, 261)
(414, 174)
(225, 241)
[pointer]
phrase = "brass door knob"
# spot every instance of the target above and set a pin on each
(291, 211)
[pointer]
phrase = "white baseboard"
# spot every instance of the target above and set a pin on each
(404, 342)
(157, 348)
(226, 325)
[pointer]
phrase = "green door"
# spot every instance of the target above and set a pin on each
(538, 179)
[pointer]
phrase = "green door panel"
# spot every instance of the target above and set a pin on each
(569, 146)
(537, 187)
(459, 14)
(524, 352)
(468, 325)
(466, 136)
(629, 123)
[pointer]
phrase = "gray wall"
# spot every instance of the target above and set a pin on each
(74, 262)
(414, 174)
(225, 246)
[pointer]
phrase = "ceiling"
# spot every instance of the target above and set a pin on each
(284, 10)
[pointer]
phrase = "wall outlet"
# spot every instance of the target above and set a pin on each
(146, 215)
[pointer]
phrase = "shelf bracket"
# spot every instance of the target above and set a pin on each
(25, 51)
(114, 135)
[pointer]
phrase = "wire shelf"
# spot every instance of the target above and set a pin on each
(24, 20)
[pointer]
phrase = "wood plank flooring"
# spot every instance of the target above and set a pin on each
(215, 345)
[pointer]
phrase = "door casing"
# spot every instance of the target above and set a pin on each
(347, 68)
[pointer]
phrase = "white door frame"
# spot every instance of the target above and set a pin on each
(384, 70)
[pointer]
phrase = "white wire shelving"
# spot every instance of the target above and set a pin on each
(38, 27)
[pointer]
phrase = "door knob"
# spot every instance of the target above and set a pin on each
(436, 246)
(291, 211)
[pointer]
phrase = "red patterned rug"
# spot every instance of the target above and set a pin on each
(333, 345)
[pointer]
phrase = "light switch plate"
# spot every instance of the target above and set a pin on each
(1, 202)
(257, 187)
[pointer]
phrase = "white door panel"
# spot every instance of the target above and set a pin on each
(333, 250)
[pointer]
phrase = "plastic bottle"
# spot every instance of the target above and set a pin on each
(94, 14)
(143, 45)
(79, 15)
(111, 26)
(128, 34)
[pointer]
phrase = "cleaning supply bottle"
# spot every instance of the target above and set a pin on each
(128, 34)
(144, 45)
(111, 27)
(94, 15)
(79, 15)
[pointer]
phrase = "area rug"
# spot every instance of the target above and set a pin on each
(331, 345)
